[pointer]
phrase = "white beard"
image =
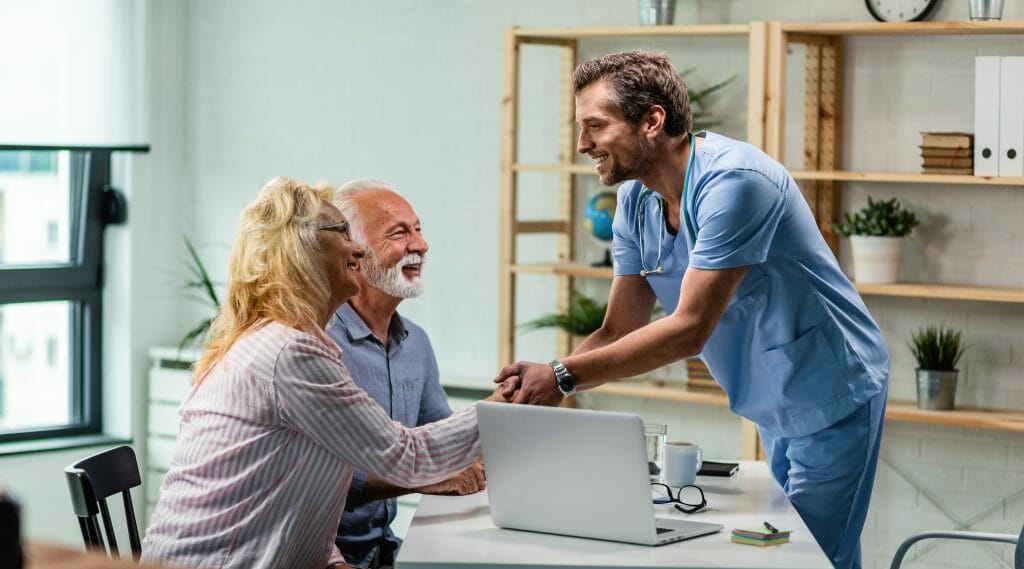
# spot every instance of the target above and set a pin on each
(391, 280)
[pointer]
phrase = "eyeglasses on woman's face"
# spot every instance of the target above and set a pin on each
(687, 499)
(341, 227)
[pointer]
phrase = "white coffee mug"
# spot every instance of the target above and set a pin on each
(682, 461)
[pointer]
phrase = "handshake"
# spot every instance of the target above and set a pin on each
(528, 382)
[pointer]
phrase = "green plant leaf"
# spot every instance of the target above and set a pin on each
(583, 317)
(195, 334)
(202, 290)
(202, 278)
(703, 119)
(937, 348)
(878, 218)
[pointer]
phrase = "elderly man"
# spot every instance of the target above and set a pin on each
(390, 357)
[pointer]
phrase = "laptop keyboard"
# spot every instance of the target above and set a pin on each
(663, 530)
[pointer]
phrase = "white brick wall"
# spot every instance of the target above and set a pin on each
(409, 91)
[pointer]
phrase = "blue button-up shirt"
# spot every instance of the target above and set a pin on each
(405, 381)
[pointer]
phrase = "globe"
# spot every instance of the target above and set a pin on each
(597, 217)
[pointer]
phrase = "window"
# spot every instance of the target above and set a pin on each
(51, 243)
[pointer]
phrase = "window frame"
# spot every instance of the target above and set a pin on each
(79, 282)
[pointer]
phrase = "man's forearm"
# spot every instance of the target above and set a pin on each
(657, 344)
(599, 339)
(376, 489)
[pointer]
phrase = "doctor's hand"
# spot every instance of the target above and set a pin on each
(469, 481)
(530, 383)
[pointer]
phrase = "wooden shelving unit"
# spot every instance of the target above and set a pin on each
(907, 290)
(823, 175)
(652, 389)
(821, 179)
(945, 292)
(904, 411)
(566, 269)
(903, 178)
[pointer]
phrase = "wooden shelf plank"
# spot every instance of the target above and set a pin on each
(568, 269)
(527, 34)
(904, 178)
(654, 389)
(904, 411)
(1004, 27)
(822, 175)
(970, 417)
(949, 292)
(541, 226)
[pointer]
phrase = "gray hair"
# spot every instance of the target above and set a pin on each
(343, 200)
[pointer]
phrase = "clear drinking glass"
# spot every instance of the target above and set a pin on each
(654, 437)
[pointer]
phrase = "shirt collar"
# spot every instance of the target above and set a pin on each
(358, 330)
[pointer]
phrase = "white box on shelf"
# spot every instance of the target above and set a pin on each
(1011, 116)
(986, 115)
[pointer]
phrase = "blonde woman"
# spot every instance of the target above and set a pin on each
(274, 423)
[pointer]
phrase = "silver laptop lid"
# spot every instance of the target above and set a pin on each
(567, 471)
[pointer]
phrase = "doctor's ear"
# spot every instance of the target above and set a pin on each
(653, 121)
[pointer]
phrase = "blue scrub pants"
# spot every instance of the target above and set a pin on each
(828, 476)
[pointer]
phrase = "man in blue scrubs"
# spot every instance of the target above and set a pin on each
(718, 232)
(390, 357)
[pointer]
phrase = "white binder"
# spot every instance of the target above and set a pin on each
(1011, 116)
(986, 115)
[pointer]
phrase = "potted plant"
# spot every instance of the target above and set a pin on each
(203, 292)
(584, 316)
(703, 118)
(877, 233)
(937, 350)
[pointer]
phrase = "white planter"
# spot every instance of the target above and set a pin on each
(876, 259)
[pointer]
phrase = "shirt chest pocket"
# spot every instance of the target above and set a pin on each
(410, 391)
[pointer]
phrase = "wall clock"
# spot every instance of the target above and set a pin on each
(900, 10)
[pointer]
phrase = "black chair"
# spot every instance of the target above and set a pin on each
(91, 481)
(1018, 556)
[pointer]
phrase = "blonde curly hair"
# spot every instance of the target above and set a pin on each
(275, 271)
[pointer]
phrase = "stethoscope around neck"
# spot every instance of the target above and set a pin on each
(641, 214)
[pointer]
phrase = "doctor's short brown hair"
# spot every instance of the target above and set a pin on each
(639, 80)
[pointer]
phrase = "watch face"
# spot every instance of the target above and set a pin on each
(900, 10)
(566, 383)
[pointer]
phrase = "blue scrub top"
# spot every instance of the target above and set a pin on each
(796, 349)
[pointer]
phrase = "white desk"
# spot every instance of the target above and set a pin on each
(457, 532)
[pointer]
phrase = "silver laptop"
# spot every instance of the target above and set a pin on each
(573, 472)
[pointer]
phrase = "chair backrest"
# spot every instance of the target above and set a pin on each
(91, 481)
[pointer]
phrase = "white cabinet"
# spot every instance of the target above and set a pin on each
(170, 380)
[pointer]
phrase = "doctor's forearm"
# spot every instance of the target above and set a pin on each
(599, 339)
(657, 344)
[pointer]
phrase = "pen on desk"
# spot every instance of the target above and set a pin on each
(771, 528)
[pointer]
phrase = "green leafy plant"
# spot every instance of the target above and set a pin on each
(703, 119)
(880, 219)
(584, 316)
(937, 348)
(202, 290)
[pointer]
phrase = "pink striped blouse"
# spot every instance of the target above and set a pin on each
(265, 454)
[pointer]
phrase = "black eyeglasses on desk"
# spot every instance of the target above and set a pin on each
(687, 499)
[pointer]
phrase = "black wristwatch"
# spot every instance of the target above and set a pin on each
(564, 379)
